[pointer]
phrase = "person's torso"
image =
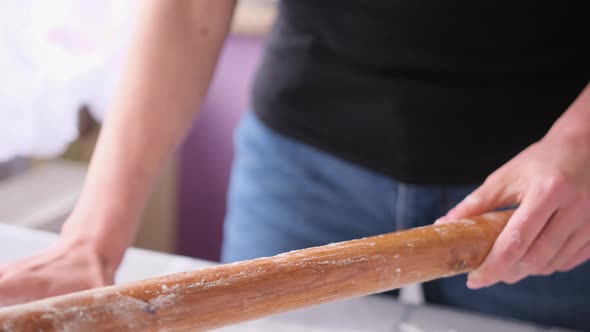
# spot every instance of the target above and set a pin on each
(424, 91)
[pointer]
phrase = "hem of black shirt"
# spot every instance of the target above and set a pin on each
(403, 175)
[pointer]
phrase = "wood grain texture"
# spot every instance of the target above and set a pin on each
(233, 293)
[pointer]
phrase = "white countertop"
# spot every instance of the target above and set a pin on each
(372, 313)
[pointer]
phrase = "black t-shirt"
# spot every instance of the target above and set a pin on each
(424, 91)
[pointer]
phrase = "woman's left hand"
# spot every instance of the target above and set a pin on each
(550, 230)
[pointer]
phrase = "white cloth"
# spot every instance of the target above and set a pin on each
(54, 57)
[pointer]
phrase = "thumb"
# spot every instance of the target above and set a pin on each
(491, 195)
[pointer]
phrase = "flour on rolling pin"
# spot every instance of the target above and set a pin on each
(242, 291)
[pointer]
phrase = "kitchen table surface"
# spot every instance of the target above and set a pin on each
(371, 313)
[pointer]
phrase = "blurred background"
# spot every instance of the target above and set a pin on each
(61, 61)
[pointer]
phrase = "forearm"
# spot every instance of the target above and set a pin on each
(574, 124)
(166, 78)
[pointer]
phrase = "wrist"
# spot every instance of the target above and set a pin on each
(96, 234)
(96, 249)
(570, 131)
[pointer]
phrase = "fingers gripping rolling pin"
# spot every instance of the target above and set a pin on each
(233, 293)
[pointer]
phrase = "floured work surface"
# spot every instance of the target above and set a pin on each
(373, 313)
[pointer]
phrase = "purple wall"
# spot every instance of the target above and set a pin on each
(206, 155)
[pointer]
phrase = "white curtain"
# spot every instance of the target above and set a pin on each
(55, 56)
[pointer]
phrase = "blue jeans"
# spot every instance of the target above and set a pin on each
(286, 195)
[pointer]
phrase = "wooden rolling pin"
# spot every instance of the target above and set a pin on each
(238, 292)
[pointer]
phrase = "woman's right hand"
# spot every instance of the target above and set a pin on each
(72, 264)
(159, 94)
